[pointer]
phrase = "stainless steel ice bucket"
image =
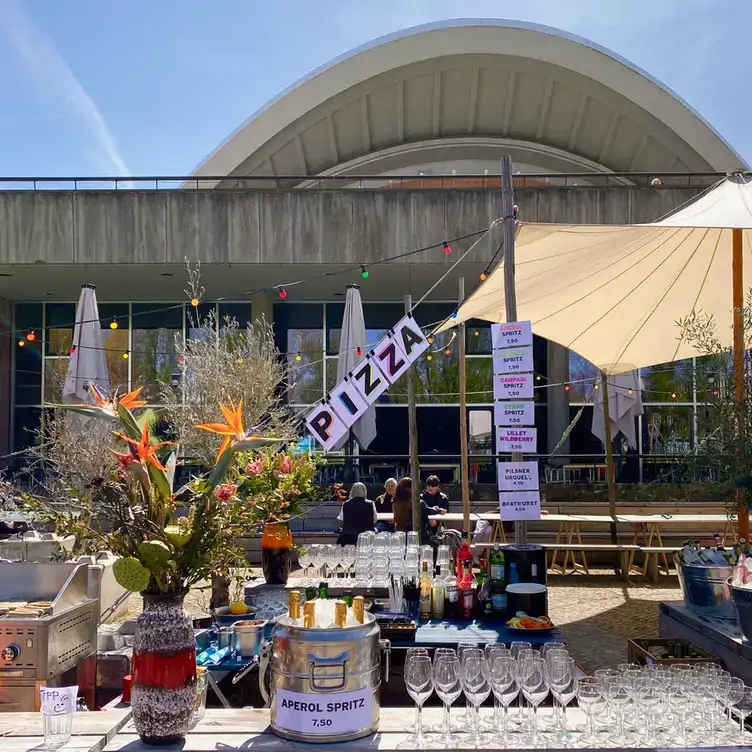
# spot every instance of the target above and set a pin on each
(705, 588)
(325, 681)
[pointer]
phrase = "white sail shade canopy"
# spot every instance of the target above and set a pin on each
(614, 294)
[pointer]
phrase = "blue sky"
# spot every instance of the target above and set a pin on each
(151, 87)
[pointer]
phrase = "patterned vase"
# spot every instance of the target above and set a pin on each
(164, 670)
(276, 542)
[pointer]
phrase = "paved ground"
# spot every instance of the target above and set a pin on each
(597, 613)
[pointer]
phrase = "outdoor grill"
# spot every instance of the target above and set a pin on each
(48, 623)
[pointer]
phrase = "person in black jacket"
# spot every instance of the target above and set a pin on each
(384, 505)
(432, 501)
(358, 515)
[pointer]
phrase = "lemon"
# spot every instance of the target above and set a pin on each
(238, 608)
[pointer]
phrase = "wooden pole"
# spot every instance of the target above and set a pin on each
(610, 465)
(412, 418)
(737, 274)
(510, 293)
(464, 460)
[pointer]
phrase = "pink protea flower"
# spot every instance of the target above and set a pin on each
(286, 464)
(255, 467)
(224, 492)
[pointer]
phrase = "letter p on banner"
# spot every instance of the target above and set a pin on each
(325, 426)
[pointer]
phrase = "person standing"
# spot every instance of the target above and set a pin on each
(358, 515)
(402, 506)
(384, 505)
(432, 501)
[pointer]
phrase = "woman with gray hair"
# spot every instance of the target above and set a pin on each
(358, 515)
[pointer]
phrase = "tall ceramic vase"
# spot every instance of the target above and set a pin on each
(276, 545)
(164, 670)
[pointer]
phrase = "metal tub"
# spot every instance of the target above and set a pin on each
(325, 682)
(705, 588)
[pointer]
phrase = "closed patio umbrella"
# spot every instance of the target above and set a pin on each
(87, 363)
(625, 404)
(352, 348)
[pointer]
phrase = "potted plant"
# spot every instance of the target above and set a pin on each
(162, 553)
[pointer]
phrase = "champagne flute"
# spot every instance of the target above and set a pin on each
(561, 679)
(412, 728)
(448, 684)
(419, 683)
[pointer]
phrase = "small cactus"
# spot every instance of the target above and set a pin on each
(131, 574)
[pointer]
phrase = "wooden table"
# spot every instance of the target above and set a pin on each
(594, 471)
(247, 729)
(22, 732)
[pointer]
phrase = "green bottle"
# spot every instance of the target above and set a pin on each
(310, 594)
(348, 599)
(323, 591)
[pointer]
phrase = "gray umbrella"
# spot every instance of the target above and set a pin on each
(352, 350)
(87, 363)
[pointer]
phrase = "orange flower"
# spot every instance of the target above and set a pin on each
(143, 449)
(109, 405)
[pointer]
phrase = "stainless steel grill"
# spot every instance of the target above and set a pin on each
(37, 650)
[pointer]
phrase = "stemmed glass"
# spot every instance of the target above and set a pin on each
(533, 678)
(347, 558)
(502, 673)
(412, 728)
(619, 698)
(735, 694)
(448, 684)
(561, 680)
(649, 695)
(318, 558)
(516, 648)
(333, 555)
(304, 559)
(466, 719)
(744, 709)
(591, 700)
(680, 699)
(419, 682)
(477, 688)
(552, 654)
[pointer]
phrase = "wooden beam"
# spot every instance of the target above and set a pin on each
(464, 460)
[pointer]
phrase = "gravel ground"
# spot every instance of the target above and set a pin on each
(597, 613)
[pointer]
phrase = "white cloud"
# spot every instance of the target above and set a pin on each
(48, 70)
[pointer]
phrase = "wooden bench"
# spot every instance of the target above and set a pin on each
(651, 568)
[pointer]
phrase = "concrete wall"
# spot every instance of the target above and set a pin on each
(303, 226)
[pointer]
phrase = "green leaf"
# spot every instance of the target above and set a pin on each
(129, 423)
(89, 412)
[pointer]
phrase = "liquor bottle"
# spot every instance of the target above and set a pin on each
(464, 566)
(452, 599)
(323, 590)
(498, 584)
(424, 608)
(348, 598)
(484, 606)
(340, 613)
(496, 561)
(438, 593)
(294, 604)
(310, 594)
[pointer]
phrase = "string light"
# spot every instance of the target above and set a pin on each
(31, 336)
(673, 395)
(194, 302)
(447, 249)
(429, 357)
(181, 359)
(538, 377)
(72, 350)
(364, 272)
(715, 392)
(358, 352)
(113, 324)
(483, 276)
(476, 333)
(596, 387)
(454, 314)
(430, 340)
(21, 343)
(125, 356)
(629, 391)
(282, 293)
(298, 357)
(448, 351)
(567, 387)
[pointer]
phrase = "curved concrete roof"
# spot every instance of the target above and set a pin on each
(474, 89)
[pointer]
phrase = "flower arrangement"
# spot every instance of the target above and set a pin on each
(160, 551)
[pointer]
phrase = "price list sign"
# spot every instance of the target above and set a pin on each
(514, 419)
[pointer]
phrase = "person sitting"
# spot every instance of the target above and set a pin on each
(358, 515)
(432, 501)
(384, 505)
(402, 504)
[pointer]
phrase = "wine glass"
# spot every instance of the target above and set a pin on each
(650, 698)
(735, 695)
(348, 559)
(332, 556)
(619, 698)
(502, 673)
(533, 679)
(679, 698)
(477, 689)
(412, 653)
(553, 654)
(448, 684)
(466, 719)
(561, 680)
(591, 700)
(744, 710)
(609, 673)
(317, 558)
(419, 683)
(304, 559)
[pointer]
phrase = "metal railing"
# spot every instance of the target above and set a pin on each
(420, 181)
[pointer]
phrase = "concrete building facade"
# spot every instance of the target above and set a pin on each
(390, 149)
